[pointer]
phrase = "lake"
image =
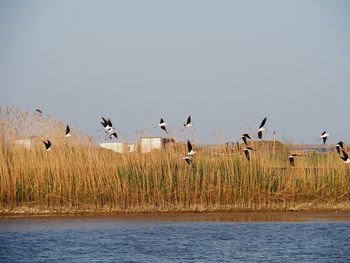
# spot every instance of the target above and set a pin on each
(244, 237)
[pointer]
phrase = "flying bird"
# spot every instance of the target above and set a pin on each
(188, 123)
(339, 146)
(261, 128)
(107, 125)
(324, 136)
(190, 150)
(47, 145)
(162, 125)
(188, 160)
(345, 157)
(247, 152)
(244, 137)
(292, 157)
(68, 132)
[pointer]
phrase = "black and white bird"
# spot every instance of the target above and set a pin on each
(47, 145)
(107, 125)
(190, 149)
(339, 146)
(244, 137)
(114, 134)
(68, 131)
(292, 157)
(324, 136)
(188, 160)
(345, 157)
(261, 128)
(188, 123)
(247, 151)
(162, 125)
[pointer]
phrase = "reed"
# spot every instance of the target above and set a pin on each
(79, 175)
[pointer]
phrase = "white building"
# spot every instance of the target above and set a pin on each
(119, 147)
(148, 144)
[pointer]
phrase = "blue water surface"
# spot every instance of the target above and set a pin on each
(83, 240)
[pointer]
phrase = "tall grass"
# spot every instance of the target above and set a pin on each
(79, 175)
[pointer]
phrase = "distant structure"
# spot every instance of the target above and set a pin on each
(148, 144)
(145, 145)
(27, 142)
(119, 147)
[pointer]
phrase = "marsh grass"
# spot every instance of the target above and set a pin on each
(78, 174)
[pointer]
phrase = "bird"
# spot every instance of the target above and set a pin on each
(188, 123)
(162, 125)
(106, 124)
(324, 136)
(339, 146)
(244, 137)
(39, 111)
(261, 128)
(188, 160)
(68, 131)
(291, 158)
(247, 152)
(47, 145)
(114, 134)
(345, 157)
(190, 150)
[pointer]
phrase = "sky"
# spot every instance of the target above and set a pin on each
(228, 64)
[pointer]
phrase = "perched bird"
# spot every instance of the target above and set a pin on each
(345, 157)
(188, 123)
(68, 132)
(188, 160)
(261, 128)
(244, 137)
(291, 158)
(190, 150)
(339, 146)
(324, 136)
(47, 145)
(247, 152)
(39, 111)
(162, 125)
(114, 134)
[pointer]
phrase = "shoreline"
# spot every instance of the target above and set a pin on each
(309, 208)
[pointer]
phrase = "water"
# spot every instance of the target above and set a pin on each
(126, 239)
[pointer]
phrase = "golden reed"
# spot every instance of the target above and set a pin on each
(78, 174)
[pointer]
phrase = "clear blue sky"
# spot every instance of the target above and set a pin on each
(227, 63)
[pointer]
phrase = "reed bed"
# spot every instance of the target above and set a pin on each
(78, 175)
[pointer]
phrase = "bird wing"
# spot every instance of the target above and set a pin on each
(109, 123)
(324, 140)
(189, 146)
(244, 140)
(67, 129)
(263, 123)
(161, 121)
(323, 133)
(247, 155)
(104, 121)
(39, 111)
(188, 120)
(341, 144)
(260, 134)
(247, 135)
(346, 156)
(163, 127)
(291, 160)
